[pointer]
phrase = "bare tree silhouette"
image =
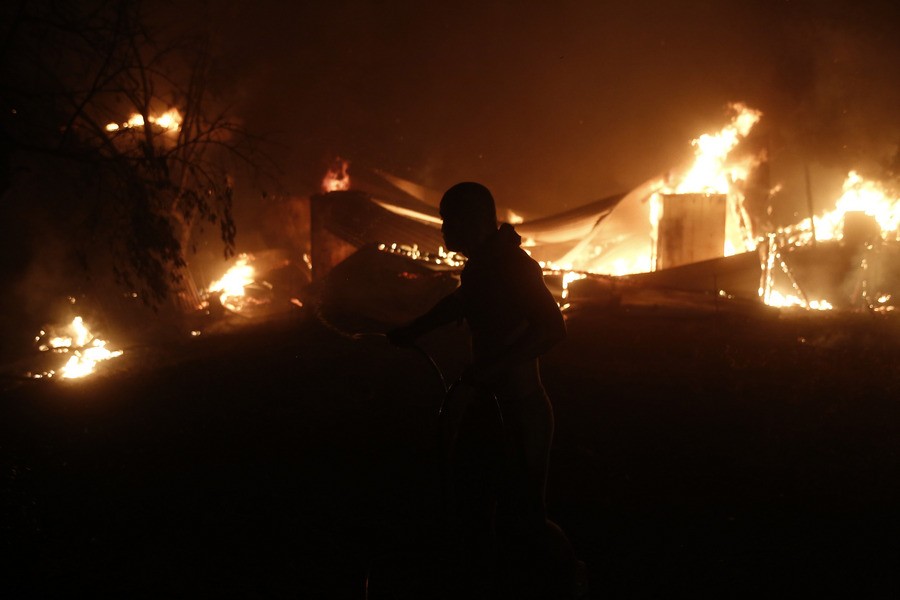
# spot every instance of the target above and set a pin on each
(108, 124)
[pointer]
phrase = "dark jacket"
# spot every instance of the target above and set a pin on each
(502, 291)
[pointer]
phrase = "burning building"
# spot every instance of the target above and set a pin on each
(692, 230)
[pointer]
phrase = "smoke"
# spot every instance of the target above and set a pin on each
(555, 107)
(829, 100)
(37, 287)
(838, 75)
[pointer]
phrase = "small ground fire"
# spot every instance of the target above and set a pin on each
(231, 286)
(74, 339)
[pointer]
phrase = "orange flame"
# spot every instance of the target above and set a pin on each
(230, 286)
(86, 350)
(168, 121)
(779, 300)
(337, 178)
(713, 172)
(859, 195)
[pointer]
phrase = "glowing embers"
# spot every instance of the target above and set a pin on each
(76, 339)
(443, 258)
(231, 290)
(567, 278)
(168, 121)
(883, 304)
(779, 300)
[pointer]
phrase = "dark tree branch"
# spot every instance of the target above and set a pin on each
(141, 188)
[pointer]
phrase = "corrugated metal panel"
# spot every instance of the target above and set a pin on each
(354, 217)
(343, 222)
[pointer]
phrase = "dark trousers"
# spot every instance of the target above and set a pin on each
(498, 475)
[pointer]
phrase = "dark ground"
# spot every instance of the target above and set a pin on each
(710, 456)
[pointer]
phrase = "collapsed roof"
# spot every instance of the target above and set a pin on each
(604, 236)
(383, 208)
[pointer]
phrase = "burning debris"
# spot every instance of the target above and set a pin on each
(864, 220)
(711, 173)
(715, 172)
(74, 339)
(257, 285)
(863, 228)
(776, 298)
(168, 121)
(581, 254)
(699, 228)
(231, 287)
(626, 241)
(239, 288)
(337, 177)
(443, 258)
(567, 278)
(860, 197)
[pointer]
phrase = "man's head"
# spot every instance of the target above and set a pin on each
(469, 216)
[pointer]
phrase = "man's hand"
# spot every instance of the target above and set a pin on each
(402, 336)
(478, 375)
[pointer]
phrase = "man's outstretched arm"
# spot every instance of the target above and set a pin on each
(447, 310)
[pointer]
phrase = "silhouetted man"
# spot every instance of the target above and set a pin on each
(500, 471)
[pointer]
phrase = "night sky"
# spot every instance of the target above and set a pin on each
(555, 106)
